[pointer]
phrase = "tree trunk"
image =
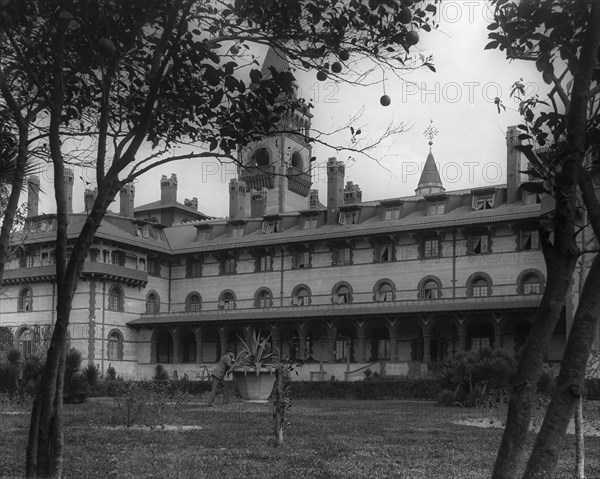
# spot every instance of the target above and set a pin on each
(579, 441)
(522, 398)
(279, 406)
(544, 457)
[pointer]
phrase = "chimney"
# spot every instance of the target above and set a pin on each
(69, 180)
(258, 203)
(127, 195)
(314, 199)
(335, 188)
(513, 164)
(33, 195)
(168, 189)
(352, 194)
(237, 199)
(193, 203)
(89, 198)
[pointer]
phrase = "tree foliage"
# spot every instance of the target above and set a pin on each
(96, 81)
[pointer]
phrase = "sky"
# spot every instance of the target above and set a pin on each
(458, 100)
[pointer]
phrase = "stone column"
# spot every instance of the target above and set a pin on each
(394, 348)
(462, 342)
(360, 356)
(176, 351)
(153, 350)
(427, 348)
(331, 357)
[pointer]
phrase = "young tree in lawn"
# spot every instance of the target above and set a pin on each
(563, 38)
(118, 76)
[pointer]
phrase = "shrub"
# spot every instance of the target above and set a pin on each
(91, 374)
(111, 373)
(471, 378)
(160, 374)
(77, 388)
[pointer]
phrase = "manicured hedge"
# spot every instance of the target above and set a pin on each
(424, 389)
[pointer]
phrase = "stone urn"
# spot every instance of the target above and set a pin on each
(255, 387)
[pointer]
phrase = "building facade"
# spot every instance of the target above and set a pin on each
(394, 285)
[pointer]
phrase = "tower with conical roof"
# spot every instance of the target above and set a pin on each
(280, 163)
(430, 182)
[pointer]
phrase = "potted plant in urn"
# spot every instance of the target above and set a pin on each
(254, 368)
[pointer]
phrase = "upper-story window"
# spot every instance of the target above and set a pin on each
(264, 261)
(341, 294)
(301, 259)
(342, 255)
(115, 346)
(310, 222)
(301, 296)
(193, 303)
(529, 240)
(478, 244)
(436, 207)
(237, 231)
(115, 299)
(483, 201)
(25, 302)
(348, 218)
(153, 267)
(429, 289)
(384, 252)
(392, 213)
(384, 291)
(270, 226)
(531, 284)
(227, 300)
(430, 248)
(118, 258)
(194, 267)
(26, 259)
(228, 265)
(152, 303)
(26, 343)
(261, 157)
(263, 299)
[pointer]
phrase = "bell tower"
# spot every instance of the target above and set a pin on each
(280, 163)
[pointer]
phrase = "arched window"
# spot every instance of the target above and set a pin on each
(193, 303)
(531, 284)
(341, 294)
(430, 288)
(114, 349)
(152, 303)
(296, 160)
(301, 296)
(25, 301)
(530, 281)
(261, 157)
(384, 291)
(227, 300)
(115, 299)
(479, 285)
(263, 299)
(26, 345)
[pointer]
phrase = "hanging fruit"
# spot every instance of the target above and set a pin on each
(385, 100)
(336, 67)
(321, 75)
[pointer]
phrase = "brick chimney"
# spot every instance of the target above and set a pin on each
(258, 203)
(127, 195)
(352, 194)
(193, 203)
(33, 195)
(89, 198)
(237, 199)
(513, 164)
(335, 188)
(168, 189)
(69, 180)
(314, 199)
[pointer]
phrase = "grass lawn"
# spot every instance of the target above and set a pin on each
(326, 439)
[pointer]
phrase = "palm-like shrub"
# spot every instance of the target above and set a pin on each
(77, 389)
(257, 354)
(473, 377)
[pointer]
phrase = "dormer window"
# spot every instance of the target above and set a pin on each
(203, 234)
(310, 222)
(237, 231)
(270, 226)
(532, 198)
(348, 218)
(436, 207)
(392, 213)
(483, 201)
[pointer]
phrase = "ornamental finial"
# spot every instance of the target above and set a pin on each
(430, 132)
